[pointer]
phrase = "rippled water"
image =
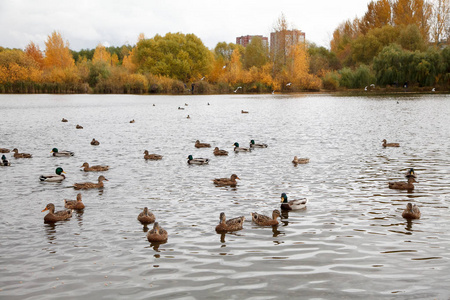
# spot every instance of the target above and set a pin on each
(350, 243)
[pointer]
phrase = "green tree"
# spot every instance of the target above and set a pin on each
(390, 65)
(256, 54)
(411, 39)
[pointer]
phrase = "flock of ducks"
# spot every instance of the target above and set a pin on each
(158, 234)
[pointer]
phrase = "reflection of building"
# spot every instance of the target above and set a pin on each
(291, 38)
(245, 40)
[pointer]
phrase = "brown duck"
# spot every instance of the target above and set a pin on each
(263, 220)
(157, 234)
(385, 144)
(94, 142)
(297, 160)
(20, 155)
(219, 152)
(90, 185)
(201, 145)
(74, 204)
(79, 127)
(64, 120)
(411, 212)
(53, 216)
(4, 150)
(152, 156)
(97, 168)
(146, 217)
(226, 181)
(401, 185)
(230, 225)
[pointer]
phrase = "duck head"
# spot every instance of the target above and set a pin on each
(190, 157)
(54, 150)
(252, 142)
(284, 198)
(59, 170)
(236, 144)
(50, 207)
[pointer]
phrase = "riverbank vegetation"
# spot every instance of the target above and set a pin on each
(395, 45)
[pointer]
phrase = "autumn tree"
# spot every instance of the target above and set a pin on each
(378, 15)
(57, 53)
(33, 51)
(256, 54)
(417, 12)
(440, 20)
(101, 55)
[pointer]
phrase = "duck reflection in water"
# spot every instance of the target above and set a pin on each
(50, 232)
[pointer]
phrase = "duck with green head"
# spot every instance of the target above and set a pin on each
(292, 204)
(4, 162)
(240, 149)
(58, 177)
(197, 161)
(254, 145)
(62, 153)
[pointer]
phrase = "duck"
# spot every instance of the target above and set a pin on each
(146, 217)
(411, 212)
(53, 216)
(74, 204)
(180, 108)
(263, 220)
(188, 117)
(62, 153)
(54, 178)
(97, 168)
(385, 144)
(157, 234)
(4, 150)
(297, 160)
(197, 161)
(94, 142)
(244, 112)
(234, 224)
(201, 145)
(218, 152)
(226, 181)
(132, 121)
(400, 185)
(152, 156)
(79, 127)
(253, 145)
(21, 155)
(5, 162)
(64, 120)
(292, 204)
(410, 173)
(240, 149)
(90, 185)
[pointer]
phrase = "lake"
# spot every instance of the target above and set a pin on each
(351, 241)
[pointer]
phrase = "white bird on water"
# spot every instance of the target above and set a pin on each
(289, 84)
(365, 88)
(433, 90)
(239, 87)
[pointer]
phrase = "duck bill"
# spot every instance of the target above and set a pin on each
(44, 209)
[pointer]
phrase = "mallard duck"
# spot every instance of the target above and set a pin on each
(62, 153)
(230, 225)
(411, 212)
(157, 234)
(188, 117)
(197, 161)
(90, 185)
(226, 181)
(74, 204)
(132, 121)
(410, 173)
(54, 178)
(244, 112)
(146, 216)
(240, 149)
(152, 156)
(97, 168)
(4, 150)
(400, 185)
(79, 127)
(64, 120)
(263, 220)
(201, 145)
(253, 145)
(94, 142)
(390, 144)
(53, 216)
(297, 160)
(180, 108)
(292, 204)
(20, 155)
(219, 152)
(5, 162)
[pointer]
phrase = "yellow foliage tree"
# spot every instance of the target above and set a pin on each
(418, 12)
(57, 53)
(32, 50)
(101, 55)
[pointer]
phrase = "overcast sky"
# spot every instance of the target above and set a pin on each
(85, 24)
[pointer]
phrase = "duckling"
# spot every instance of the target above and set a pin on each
(152, 156)
(97, 168)
(4, 162)
(226, 181)
(132, 121)
(94, 142)
(240, 149)
(297, 160)
(390, 144)
(253, 145)
(64, 120)
(62, 153)
(54, 178)
(146, 217)
(20, 155)
(157, 234)
(201, 145)
(4, 150)
(74, 204)
(263, 220)
(53, 216)
(230, 225)
(197, 161)
(79, 127)
(403, 185)
(218, 152)
(244, 112)
(411, 212)
(292, 204)
(90, 185)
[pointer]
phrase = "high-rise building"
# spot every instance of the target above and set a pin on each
(245, 40)
(291, 38)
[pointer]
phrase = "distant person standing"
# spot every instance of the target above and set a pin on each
(192, 88)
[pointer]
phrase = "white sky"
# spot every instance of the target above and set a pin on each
(86, 23)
